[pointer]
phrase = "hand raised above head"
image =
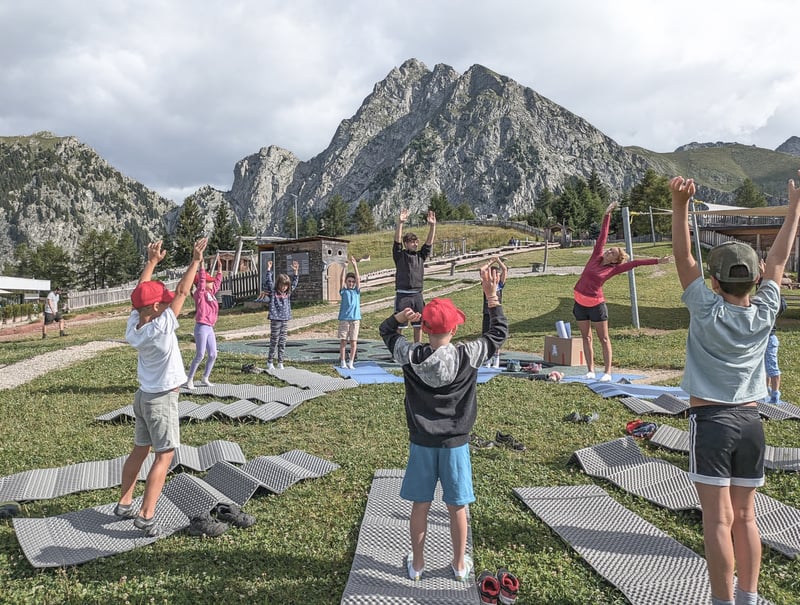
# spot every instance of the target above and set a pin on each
(403, 215)
(431, 217)
(199, 248)
(154, 252)
(682, 190)
(794, 191)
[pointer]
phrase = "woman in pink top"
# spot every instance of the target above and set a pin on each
(590, 303)
(206, 313)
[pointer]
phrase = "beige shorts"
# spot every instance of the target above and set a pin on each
(157, 423)
(348, 329)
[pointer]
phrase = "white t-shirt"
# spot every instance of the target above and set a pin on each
(160, 366)
(51, 305)
(726, 343)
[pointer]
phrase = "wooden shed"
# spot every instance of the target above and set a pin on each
(322, 261)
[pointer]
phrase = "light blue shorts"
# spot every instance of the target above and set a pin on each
(771, 357)
(157, 423)
(451, 466)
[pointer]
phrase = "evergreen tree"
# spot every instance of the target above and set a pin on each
(309, 228)
(651, 191)
(128, 259)
(749, 196)
(289, 224)
(363, 219)
(48, 261)
(462, 212)
(224, 235)
(96, 260)
(440, 206)
(189, 230)
(166, 244)
(335, 217)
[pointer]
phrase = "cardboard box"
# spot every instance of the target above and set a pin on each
(564, 351)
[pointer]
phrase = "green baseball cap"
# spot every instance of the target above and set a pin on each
(725, 257)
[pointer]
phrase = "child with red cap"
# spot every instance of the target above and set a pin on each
(151, 330)
(441, 406)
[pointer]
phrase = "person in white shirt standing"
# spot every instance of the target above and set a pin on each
(51, 313)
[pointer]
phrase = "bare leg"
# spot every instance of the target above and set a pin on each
(130, 472)
(458, 534)
(342, 346)
(586, 337)
(353, 349)
(419, 529)
(417, 334)
(605, 342)
(155, 483)
(746, 537)
(717, 522)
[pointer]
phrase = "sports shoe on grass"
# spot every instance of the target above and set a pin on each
(148, 526)
(413, 574)
(589, 418)
(507, 440)
(462, 575)
(644, 430)
(230, 513)
(206, 382)
(509, 586)
(8, 509)
(480, 444)
(125, 511)
(205, 525)
(488, 588)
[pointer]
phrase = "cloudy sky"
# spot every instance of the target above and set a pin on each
(174, 93)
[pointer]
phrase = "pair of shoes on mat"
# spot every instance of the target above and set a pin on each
(206, 525)
(230, 513)
(501, 587)
(413, 574)
(462, 575)
(639, 428)
(480, 444)
(507, 440)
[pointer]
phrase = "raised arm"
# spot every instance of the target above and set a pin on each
(682, 191)
(355, 270)
(184, 287)
(503, 270)
(432, 225)
(782, 245)
(154, 256)
(398, 231)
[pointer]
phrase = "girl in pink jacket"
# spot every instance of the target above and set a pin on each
(206, 313)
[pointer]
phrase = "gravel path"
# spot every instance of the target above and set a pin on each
(24, 371)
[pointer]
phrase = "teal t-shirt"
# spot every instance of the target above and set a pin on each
(350, 307)
(726, 343)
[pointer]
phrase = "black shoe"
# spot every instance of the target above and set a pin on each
(205, 525)
(8, 510)
(508, 441)
(148, 526)
(234, 515)
(480, 444)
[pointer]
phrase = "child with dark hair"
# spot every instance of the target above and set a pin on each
(205, 317)
(409, 262)
(349, 314)
(280, 310)
(728, 332)
(441, 407)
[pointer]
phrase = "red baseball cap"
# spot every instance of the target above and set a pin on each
(149, 292)
(440, 316)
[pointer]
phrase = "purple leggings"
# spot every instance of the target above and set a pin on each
(205, 342)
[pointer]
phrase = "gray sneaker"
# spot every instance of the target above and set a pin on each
(125, 511)
(148, 526)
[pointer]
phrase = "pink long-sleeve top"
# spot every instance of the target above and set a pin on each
(205, 301)
(589, 289)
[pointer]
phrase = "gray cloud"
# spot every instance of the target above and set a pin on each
(173, 94)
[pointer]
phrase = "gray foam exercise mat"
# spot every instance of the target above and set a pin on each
(378, 573)
(78, 537)
(621, 462)
(781, 411)
(43, 484)
(648, 566)
(641, 391)
(665, 403)
(775, 458)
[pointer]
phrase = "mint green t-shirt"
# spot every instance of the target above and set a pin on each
(726, 343)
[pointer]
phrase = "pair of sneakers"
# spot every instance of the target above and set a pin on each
(501, 587)
(345, 365)
(592, 376)
(204, 381)
(148, 526)
(226, 515)
(460, 575)
(271, 366)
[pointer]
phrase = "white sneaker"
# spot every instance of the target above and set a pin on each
(589, 376)
(496, 363)
(605, 378)
(343, 364)
(351, 365)
(206, 382)
(280, 365)
(270, 366)
(189, 385)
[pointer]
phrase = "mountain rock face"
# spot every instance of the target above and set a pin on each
(790, 146)
(694, 145)
(479, 137)
(56, 188)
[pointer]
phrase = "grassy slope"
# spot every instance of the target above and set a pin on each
(301, 549)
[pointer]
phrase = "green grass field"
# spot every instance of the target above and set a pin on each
(301, 549)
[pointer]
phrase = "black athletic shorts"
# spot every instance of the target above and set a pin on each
(596, 314)
(413, 300)
(50, 318)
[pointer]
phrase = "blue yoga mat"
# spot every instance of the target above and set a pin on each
(368, 372)
(614, 378)
(642, 391)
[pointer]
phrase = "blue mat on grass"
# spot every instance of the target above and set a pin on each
(614, 378)
(642, 391)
